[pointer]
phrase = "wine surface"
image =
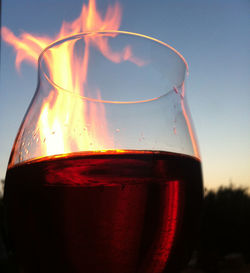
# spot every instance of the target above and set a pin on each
(132, 212)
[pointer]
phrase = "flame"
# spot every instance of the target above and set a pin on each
(58, 111)
(28, 47)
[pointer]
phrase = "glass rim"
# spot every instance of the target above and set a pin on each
(82, 34)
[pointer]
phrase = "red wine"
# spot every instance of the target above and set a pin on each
(131, 212)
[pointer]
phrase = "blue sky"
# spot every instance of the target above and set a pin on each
(214, 38)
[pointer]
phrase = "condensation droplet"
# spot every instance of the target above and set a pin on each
(117, 130)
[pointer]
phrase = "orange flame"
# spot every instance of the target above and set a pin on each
(29, 47)
(58, 111)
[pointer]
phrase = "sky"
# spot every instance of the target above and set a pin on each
(213, 36)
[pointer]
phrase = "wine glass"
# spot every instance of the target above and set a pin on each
(105, 174)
